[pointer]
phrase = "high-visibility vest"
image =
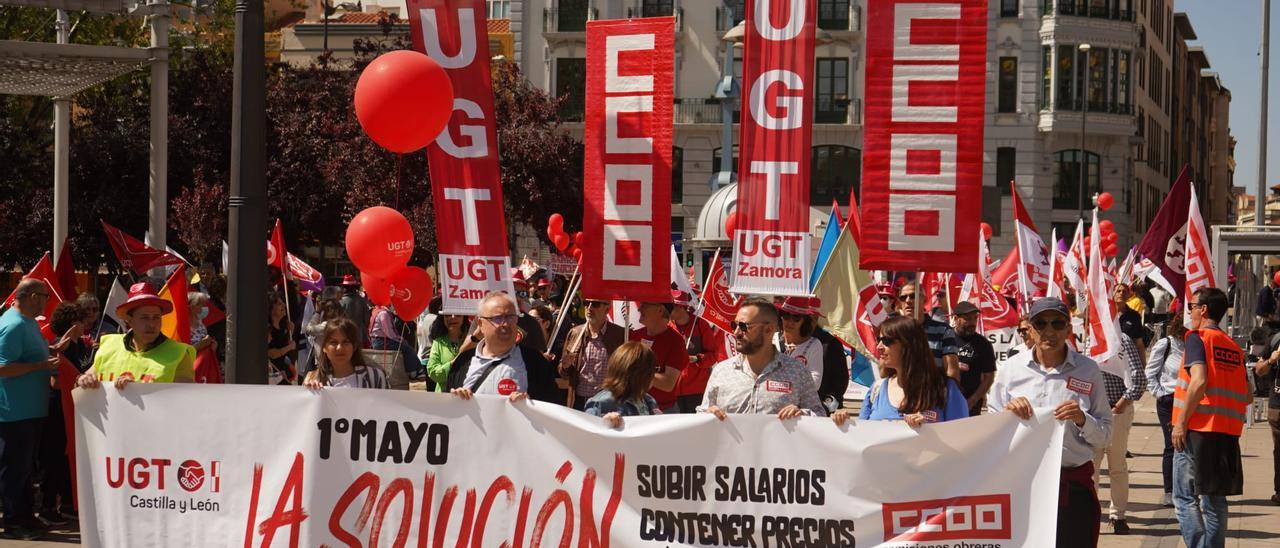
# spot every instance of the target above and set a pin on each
(1226, 395)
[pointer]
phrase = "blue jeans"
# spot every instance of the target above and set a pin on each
(1202, 519)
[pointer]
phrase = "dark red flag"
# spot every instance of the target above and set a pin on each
(1166, 240)
(65, 271)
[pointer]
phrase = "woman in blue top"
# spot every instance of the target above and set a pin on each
(914, 388)
(626, 386)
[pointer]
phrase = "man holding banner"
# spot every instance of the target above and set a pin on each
(1052, 374)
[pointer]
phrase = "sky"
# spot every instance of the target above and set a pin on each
(1230, 31)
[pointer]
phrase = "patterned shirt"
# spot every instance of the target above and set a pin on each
(594, 365)
(1078, 378)
(362, 377)
(735, 388)
(1162, 366)
(942, 339)
(1116, 386)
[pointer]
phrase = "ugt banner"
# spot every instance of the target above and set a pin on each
(352, 467)
(771, 244)
(466, 182)
(922, 154)
(627, 173)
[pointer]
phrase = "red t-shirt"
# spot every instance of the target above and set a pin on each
(693, 379)
(669, 346)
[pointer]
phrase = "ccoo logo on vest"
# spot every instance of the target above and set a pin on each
(157, 484)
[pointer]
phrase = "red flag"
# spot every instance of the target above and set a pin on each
(65, 271)
(206, 367)
(1199, 264)
(627, 147)
(719, 306)
(835, 208)
(771, 245)
(43, 271)
(135, 255)
(995, 310)
(1166, 240)
(177, 323)
(1033, 255)
(214, 316)
(276, 249)
(855, 220)
(926, 77)
(466, 180)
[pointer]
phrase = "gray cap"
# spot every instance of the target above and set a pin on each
(1049, 304)
(964, 307)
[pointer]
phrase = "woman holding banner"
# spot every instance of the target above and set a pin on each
(340, 363)
(914, 389)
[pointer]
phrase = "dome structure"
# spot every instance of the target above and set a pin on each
(709, 232)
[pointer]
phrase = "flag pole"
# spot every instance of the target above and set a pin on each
(1017, 239)
(574, 282)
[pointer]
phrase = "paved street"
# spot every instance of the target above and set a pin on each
(1255, 522)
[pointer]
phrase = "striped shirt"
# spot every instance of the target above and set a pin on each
(363, 377)
(942, 339)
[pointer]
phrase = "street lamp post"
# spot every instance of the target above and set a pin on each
(1082, 157)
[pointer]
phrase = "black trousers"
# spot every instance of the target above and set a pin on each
(1079, 513)
(1273, 418)
(52, 459)
(688, 404)
(18, 443)
(1164, 411)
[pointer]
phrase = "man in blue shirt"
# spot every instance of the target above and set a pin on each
(25, 369)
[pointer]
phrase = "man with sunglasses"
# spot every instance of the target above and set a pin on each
(586, 352)
(1053, 375)
(760, 379)
(25, 368)
(942, 338)
(1209, 412)
(497, 365)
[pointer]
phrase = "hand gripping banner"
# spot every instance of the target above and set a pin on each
(357, 467)
(771, 245)
(627, 174)
(466, 182)
(922, 153)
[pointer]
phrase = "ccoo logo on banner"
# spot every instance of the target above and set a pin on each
(771, 245)
(922, 154)
(627, 171)
(466, 182)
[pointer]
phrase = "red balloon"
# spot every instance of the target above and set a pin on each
(378, 289)
(379, 241)
(577, 237)
(411, 290)
(556, 221)
(731, 224)
(986, 231)
(1106, 225)
(577, 253)
(1111, 250)
(1111, 238)
(403, 100)
(1105, 201)
(561, 241)
(551, 233)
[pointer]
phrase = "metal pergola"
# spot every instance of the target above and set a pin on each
(61, 70)
(1244, 246)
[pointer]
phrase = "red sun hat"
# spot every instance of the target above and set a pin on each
(517, 278)
(543, 282)
(141, 294)
(801, 306)
(681, 298)
(349, 280)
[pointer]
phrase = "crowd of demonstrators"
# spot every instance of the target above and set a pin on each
(977, 357)
(703, 344)
(656, 333)
(340, 362)
(586, 352)
(1051, 374)
(914, 389)
(625, 392)
(942, 338)
(1163, 364)
(760, 379)
(1210, 402)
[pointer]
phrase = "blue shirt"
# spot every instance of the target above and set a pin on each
(1079, 379)
(880, 408)
(25, 396)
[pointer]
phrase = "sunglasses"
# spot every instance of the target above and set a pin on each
(744, 326)
(595, 304)
(907, 297)
(887, 341)
(1194, 305)
(1058, 324)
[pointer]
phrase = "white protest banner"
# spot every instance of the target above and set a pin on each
(226, 465)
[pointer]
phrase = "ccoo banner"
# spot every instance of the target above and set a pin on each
(922, 154)
(627, 173)
(771, 244)
(466, 182)
(351, 467)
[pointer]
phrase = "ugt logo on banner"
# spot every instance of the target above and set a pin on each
(922, 154)
(627, 173)
(466, 180)
(771, 245)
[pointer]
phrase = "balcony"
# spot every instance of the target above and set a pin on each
(727, 18)
(1104, 118)
(1082, 8)
(832, 17)
(658, 11)
(708, 111)
(556, 20)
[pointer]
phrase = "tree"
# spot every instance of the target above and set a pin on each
(200, 217)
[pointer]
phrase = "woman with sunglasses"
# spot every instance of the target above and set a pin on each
(914, 390)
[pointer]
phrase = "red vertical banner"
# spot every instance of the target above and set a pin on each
(466, 182)
(922, 146)
(771, 245)
(627, 174)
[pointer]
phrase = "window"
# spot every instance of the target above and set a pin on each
(1046, 77)
(1066, 84)
(833, 14)
(1006, 163)
(571, 79)
(499, 9)
(677, 175)
(1008, 8)
(832, 94)
(715, 160)
(991, 210)
(1066, 178)
(1142, 122)
(1008, 85)
(836, 170)
(571, 16)
(1104, 70)
(1067, 231)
